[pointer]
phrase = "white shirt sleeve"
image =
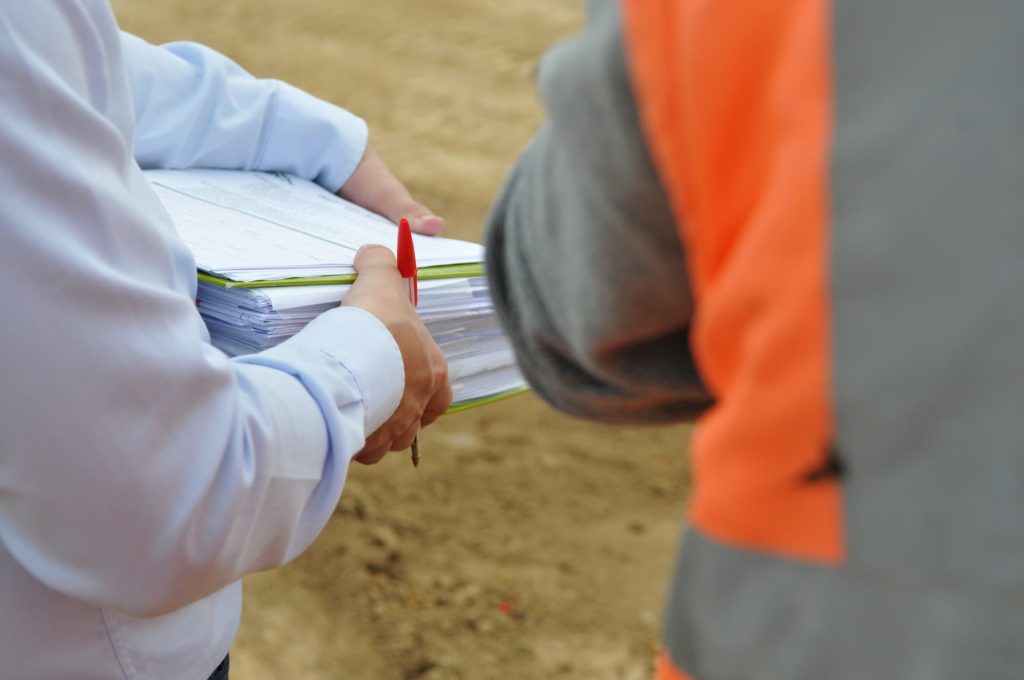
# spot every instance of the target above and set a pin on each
(195, 108)
(140, 469)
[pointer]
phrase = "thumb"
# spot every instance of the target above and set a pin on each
(377, 273)
(375, 260)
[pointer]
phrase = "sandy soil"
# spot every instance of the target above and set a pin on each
(527, 545)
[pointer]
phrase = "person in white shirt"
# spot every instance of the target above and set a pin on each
(142, 472)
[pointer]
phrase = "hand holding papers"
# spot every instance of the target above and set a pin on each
(427, 394)
(267, 245)
(373, 186)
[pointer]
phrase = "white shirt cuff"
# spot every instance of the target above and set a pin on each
(348, 347)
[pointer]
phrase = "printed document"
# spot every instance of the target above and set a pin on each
(254, 226)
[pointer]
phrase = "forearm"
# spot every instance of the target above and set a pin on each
(195, 107)
(586, 267)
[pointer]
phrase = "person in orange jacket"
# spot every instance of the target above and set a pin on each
(801, 223)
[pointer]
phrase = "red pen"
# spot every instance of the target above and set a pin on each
(407, 268)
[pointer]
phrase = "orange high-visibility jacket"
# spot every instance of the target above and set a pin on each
(845, 181)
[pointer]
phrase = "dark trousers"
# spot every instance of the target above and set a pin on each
(221, 671)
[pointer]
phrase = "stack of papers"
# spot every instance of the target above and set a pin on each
(276, 251)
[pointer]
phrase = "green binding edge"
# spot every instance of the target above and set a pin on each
(483, 401)
(444, 271)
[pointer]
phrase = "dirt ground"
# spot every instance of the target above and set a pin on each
(527, 545)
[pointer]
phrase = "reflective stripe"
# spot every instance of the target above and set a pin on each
(735, 99)
(740, 615)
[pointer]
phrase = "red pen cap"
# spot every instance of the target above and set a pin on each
(406, 254)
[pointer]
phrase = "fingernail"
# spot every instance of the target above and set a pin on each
(433, 229)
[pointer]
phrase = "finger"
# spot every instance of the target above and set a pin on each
(372, 456)
(375, 257)
(404, 440)
(380, 443)
(375, 187)
(404, 418)
(438, 403)
(375, 441)
(421, 219)
(377, 282)
(428, 224)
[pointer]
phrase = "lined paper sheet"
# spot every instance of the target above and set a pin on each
(252, 226)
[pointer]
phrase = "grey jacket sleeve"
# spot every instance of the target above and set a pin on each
(584, 259)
